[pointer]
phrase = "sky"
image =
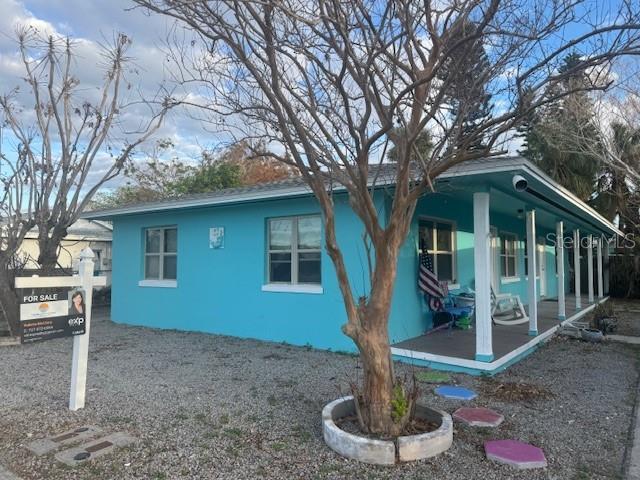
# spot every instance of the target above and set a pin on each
(92, 23)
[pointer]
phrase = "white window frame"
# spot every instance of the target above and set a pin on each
(294, 285)
(160, 281)
(503, 257)
(453, 283)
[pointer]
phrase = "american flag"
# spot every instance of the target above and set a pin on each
(427, 280)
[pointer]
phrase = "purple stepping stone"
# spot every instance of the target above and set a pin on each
(517, 454)
(478, 417)
(455, 393)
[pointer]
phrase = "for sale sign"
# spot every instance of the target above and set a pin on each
(48, 314)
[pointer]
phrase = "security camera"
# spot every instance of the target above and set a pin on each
(519, 183)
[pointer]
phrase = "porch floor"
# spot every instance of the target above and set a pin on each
(462, 343)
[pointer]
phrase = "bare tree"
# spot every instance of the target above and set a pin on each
(60, 131)
(16, 210)
(333, 82)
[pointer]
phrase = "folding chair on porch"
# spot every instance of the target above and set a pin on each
(507, 304)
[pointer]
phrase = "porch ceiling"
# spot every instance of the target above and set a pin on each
(551, 201)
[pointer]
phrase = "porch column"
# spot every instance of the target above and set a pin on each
(576, 266)
(600, 272)
(531, 266)
(562, 315)
(590, 266)
(482, 268)
(607, 266)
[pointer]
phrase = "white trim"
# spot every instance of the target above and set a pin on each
(496, 364)
(453, 286)
(506, 280)
(158, 283)
(295, 288)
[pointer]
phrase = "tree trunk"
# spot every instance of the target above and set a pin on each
(48, 256)
(8, 301)
(373, 343)
(378, 382)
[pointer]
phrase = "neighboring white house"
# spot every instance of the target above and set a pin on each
(83, 233)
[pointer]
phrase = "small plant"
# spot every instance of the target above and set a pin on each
(403, 400)
(399, 404)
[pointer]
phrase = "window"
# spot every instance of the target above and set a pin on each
(161, 253)
(437, 238)
(294, 250)
(508, 254)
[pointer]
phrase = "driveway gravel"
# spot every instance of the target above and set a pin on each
(214, 407)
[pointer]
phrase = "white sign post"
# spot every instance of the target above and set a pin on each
(86, 281)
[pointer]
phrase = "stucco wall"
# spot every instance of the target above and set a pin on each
(219, 291)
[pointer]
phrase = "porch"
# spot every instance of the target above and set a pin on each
(456, 349)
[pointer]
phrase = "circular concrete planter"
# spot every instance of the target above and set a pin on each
(383, 452)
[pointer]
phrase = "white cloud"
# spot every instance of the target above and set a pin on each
(92, 23)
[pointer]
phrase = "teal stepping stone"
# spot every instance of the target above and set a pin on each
(455, 393)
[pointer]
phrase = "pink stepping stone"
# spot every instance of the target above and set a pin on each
(478, 417)
(517, 454)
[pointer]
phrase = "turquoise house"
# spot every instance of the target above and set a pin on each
(250, 263)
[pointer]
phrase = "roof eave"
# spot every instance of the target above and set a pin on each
(493, 165)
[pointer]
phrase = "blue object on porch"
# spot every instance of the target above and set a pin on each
(447, 311)
(455, 393)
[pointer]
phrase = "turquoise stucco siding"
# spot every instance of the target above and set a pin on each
(220, 290)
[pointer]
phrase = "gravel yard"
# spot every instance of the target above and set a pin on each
(628, 314)
(206, 407)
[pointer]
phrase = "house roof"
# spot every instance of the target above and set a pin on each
(83, 229)
(496, 172)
